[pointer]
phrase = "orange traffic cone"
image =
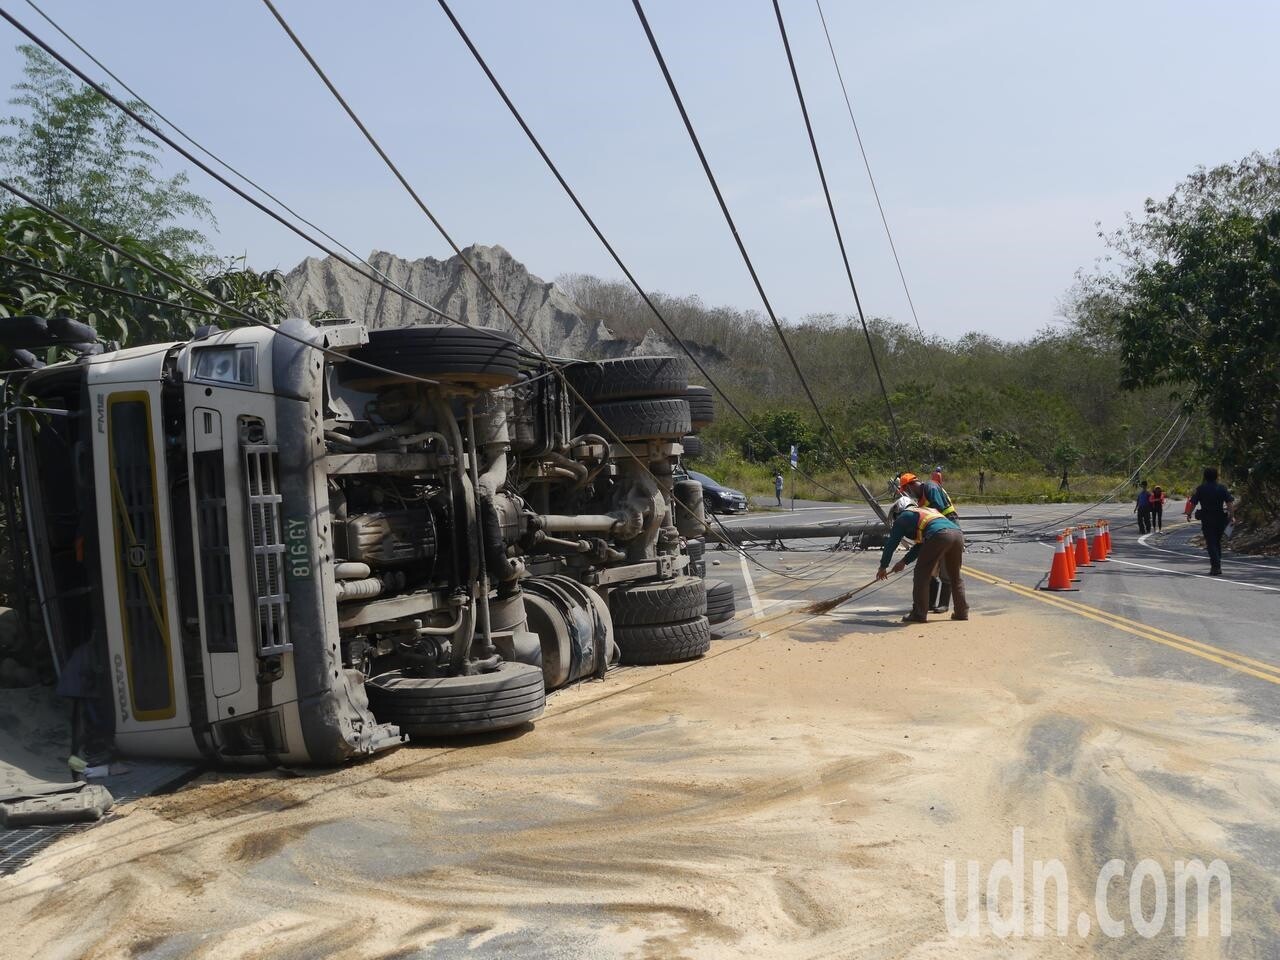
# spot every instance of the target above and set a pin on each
(1071, 553)
(1098, 549)
(1082, 549)
(1106, 537)
(1059, 572)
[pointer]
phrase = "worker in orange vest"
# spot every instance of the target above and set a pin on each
(932, 494)
(937, 541)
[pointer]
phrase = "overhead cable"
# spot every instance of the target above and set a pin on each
(835, 224)
(746, 258)
(133, 114)
(626, 271)
(238, 191)
(867, 163)
(416, 197)
(231, 311)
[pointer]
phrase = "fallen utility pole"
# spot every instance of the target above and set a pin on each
(744, 533)
(866, 532)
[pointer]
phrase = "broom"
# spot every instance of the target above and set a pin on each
(819, 607)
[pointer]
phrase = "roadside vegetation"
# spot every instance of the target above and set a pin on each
(1165, 360)
(1021, 412)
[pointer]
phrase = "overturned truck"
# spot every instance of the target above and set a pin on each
(306, 543)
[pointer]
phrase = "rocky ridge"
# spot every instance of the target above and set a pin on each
(557, 323)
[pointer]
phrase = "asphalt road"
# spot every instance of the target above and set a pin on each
(1155, 589)
(797, 793)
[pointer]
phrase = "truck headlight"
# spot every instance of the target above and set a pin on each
(226, 364)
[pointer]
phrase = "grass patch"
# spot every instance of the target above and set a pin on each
(756, 479)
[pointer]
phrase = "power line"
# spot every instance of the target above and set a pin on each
(195, 143)
(107, 288)
(236, 312)
(835, 223)
(733, 228)
(537, 145)
(230, 309)
(867, 163)
(132, 114)
(245, 178)
(395, 170)
(377, 147)
(187, 155)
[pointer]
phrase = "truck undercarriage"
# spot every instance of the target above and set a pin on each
(307, 543)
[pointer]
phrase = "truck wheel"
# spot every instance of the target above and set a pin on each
(482, 358)
(696, 548)
(628, 378)
(665, 642)
(681, 598)
(720, 604)
(702, 406)
(426, 707)
(692, 445)
(36, 333)
(666, 419)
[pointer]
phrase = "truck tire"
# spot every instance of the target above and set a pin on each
(426, 707)
(37, 333)
(702, 406)
(628, 378)
(66, 330)
(478, 357)
(666, 419)
(692, 445)
(720, 602)
(665, 642)
(681, 598)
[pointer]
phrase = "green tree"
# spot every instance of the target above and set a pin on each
(782, 428)
(1194, 305)
(30, 236)
(73, 150)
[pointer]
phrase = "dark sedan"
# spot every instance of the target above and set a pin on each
(718, 498)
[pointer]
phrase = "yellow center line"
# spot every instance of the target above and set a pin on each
(1235, 661)
(1177, 638)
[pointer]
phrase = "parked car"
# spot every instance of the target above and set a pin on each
(719, 498)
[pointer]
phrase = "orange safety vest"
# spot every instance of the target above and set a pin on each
(926, 516)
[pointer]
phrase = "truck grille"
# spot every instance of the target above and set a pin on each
(266, 540)
(215, 552)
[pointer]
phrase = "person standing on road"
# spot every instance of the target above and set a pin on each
(937, 475)
(938, 541)
(932, 494)
(1157, 508)
(1215, 508)
(1143, 509)
(777, 485)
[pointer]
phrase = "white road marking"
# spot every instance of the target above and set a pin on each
(756, 609)
(1178, 553)
(1200, 576)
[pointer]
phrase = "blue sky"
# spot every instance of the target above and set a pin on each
(999, 132)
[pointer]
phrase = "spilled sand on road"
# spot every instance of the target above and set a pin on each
(789, 796)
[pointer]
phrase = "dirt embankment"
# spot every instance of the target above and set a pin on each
(1262, 540)
(793, 796)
